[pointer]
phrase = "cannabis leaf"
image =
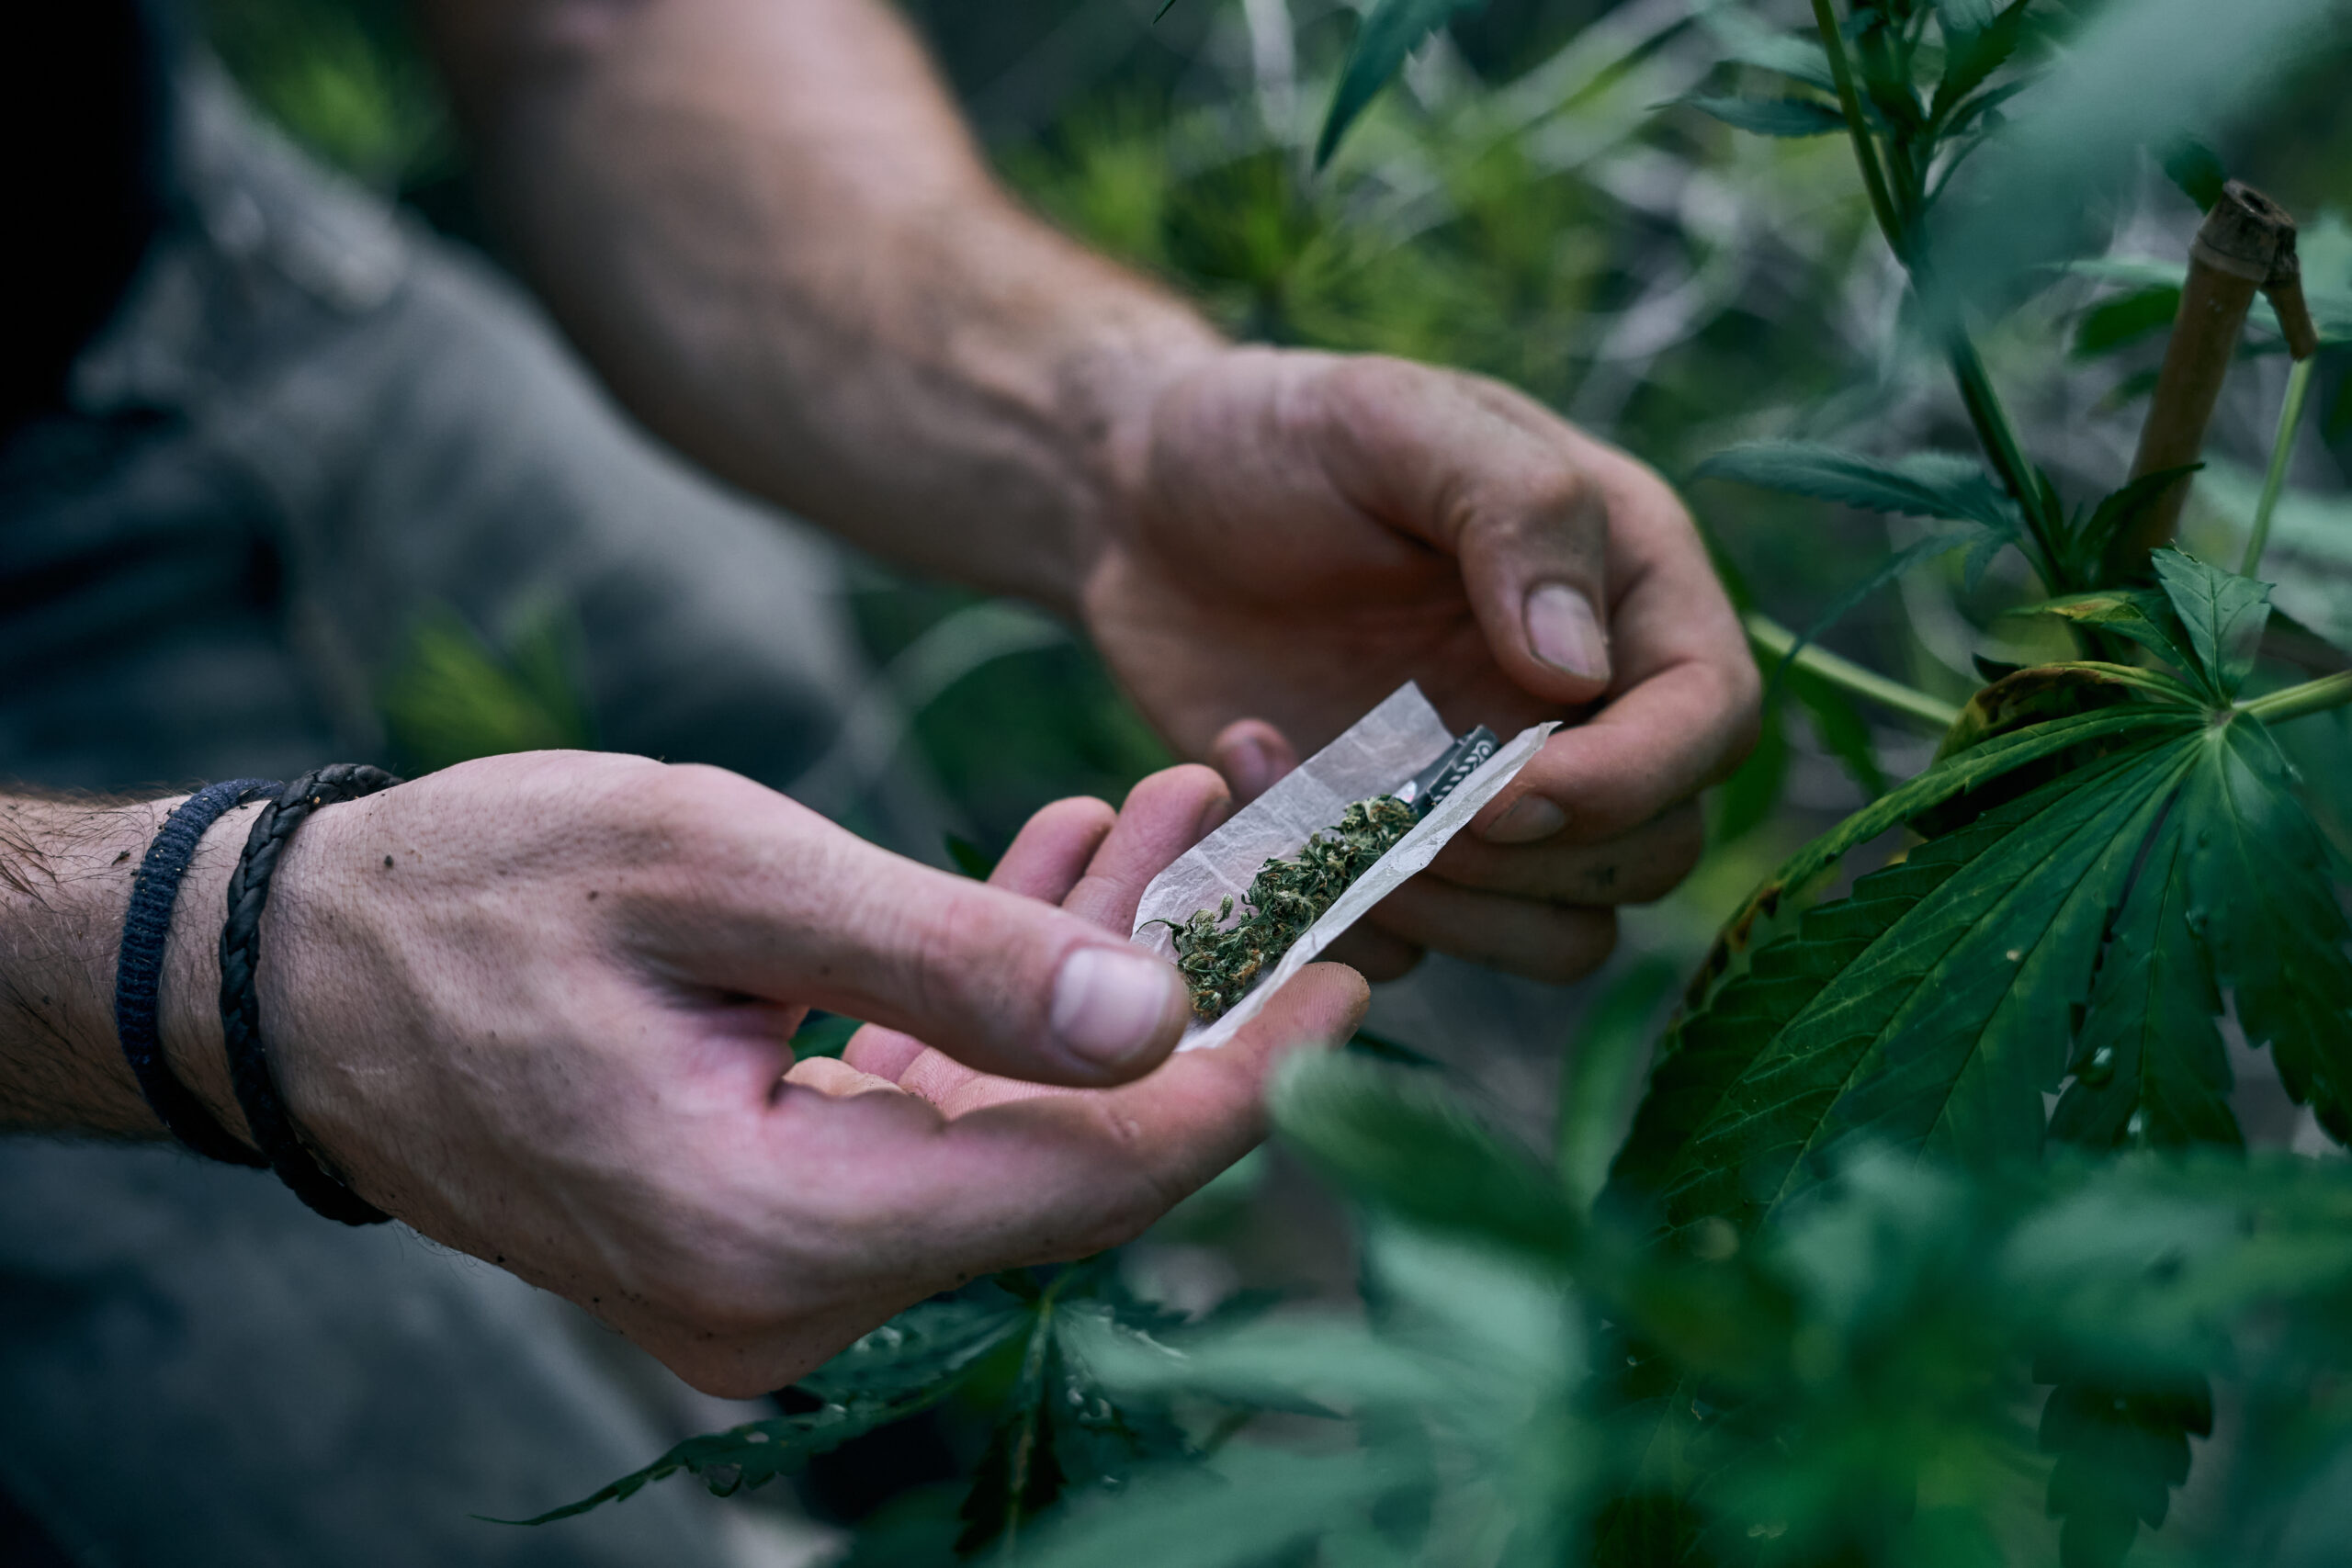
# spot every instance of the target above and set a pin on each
(1932, 1009)
(1769, 117)
(1977, 45)
(1921, 484)
(1390, 31)
(910, 1363)
(2122, 1448)
(1927, 1010)
(1398, 1139)
(2225, 614)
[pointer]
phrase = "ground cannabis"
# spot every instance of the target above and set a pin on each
(1284, 899)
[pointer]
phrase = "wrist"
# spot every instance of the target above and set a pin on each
(1118, 380)
(67, 870)
(188, 1009)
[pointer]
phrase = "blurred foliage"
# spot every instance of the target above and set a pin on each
(1854, 1385)
(455, 697)
(347, 79)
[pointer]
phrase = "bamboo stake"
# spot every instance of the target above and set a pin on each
(2232, 256)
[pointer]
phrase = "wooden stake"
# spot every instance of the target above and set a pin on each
(2235, 254)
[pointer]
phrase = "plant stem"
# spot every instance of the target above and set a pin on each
(2294, 701)
(1991, 421)
(1999, 439)
(1775, 640)
(1841, 72)
(2282, 447)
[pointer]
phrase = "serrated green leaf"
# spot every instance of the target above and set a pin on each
(922, 1346)
(1019, 1474)
(2224, 614)
(2142, 614)
(1950, 778)
(2120, 1451)
(1390, 31)
(1973, 49)
(1769, 117)
(1394, 1140)
(2149, 1067)
(1923, 484)
(1927, 1010)
(906, 1365)
(746, 1456)
(1932, 1009)
(2259, 877)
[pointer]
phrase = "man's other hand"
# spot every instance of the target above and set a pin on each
(541, 1008)
(1304, 532)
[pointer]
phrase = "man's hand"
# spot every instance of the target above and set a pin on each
(539, 1007)
(1308, 531)
(765, 225)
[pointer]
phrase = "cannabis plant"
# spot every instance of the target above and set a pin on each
(1934, 1238)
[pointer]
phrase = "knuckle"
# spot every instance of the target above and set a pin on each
(939, 956)
(1366, 388)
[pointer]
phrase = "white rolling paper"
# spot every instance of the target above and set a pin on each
(1378, 755)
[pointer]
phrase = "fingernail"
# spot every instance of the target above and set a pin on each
(1530, 817)
(1249, 768)
(1564, 633)
(1109, 1005)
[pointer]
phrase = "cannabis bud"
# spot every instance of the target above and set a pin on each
(1284, 899)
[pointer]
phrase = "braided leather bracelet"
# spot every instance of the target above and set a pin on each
(139, 972)
(249, 1071)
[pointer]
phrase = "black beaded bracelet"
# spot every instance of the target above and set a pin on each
(139, 972)
(249, 1071)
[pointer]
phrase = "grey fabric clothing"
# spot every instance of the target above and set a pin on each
(309, 423)
(196, 1370)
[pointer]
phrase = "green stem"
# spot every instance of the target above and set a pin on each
(2294, 701)
(1991, 421)
(1841, 72)
(1999, 439)
(1775, 640)
(2282, 447)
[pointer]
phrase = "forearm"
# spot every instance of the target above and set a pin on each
(766, 225)
(65, 880)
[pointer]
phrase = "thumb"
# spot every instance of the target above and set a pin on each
(1253, 756)
(1004, 983)
(1474, 469)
